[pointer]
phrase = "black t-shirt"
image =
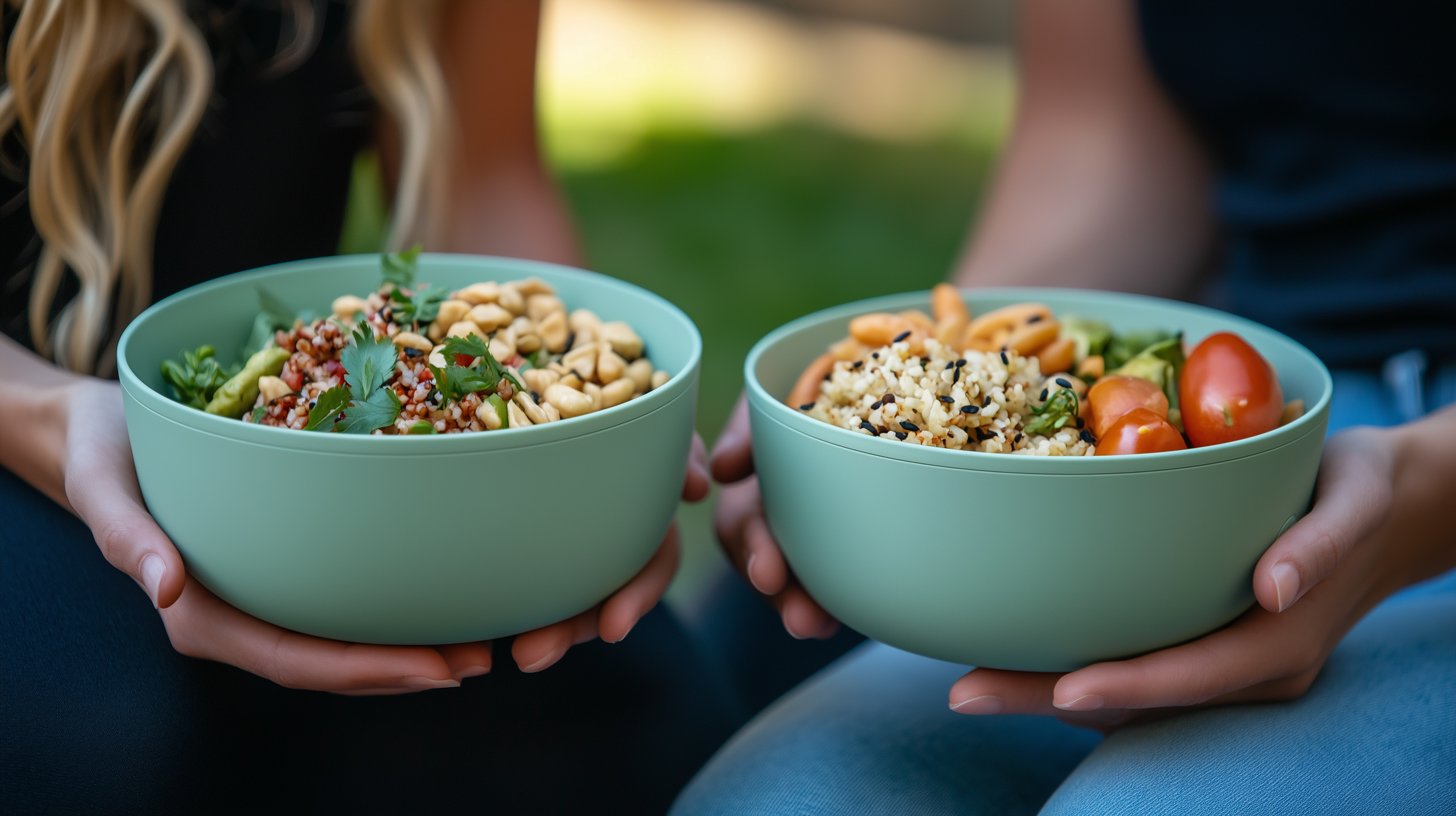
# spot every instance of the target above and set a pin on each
(1333, 127)
(265, 178)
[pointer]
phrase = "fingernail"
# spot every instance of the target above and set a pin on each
(624, 634)
(1286, 584)
(984, 704)
(1087, 702)
(749, 569)
(792, 633)
(472, 671)
(153, 570)
(545, 662)
(428, 683)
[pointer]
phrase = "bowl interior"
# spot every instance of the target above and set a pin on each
(220, 313)
(777, 360)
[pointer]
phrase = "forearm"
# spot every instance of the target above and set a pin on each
(1425, 493)
(32, 419)
(515, 211)
(1102, 185)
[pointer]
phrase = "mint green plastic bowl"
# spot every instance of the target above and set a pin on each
(416, 539)
(1026, 562)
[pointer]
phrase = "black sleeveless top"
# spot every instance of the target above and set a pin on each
(1333, 127)
(265, 179)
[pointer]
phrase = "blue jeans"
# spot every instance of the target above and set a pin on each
(1376, 734)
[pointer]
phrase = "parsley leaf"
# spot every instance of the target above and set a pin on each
(326, 409)
(420, 428)
(367, 362)
(470, 346)
(363, 416)
(399, 267)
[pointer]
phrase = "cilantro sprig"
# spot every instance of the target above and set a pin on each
(422, 307)
(399, 268)
(363, 403)
(485, 373)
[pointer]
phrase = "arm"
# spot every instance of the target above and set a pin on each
(1102, 184)
(502, 200)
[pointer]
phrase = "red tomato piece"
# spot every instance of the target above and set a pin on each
(464, 360)
(1140, 431)
(1228, 392)
(1111, 398)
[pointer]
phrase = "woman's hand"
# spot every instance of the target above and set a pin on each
(614, 618)
(101, 487)
(1374, 528)
(745, 537)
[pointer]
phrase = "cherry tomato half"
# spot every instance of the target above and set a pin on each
(1140, 431)
(1228, 392)
(1112, 397)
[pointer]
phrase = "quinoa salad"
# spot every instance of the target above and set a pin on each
(411, 358)
(1020, 379)
(978, 401)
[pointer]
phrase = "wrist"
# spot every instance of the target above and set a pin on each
(1424, 489)
(33, 441)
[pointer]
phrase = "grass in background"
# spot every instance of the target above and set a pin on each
(745, 232)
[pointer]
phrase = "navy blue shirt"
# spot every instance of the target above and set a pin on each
(1333, 130)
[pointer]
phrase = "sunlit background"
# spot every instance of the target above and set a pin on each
(756, 161)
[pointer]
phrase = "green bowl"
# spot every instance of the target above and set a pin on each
(408, 539)
(1027, 562)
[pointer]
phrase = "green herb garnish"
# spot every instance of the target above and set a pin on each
(1054, 414)
(399, 267)
(196, 377)
(473, 347)
(257, 414)
(363, 403)
(420, 308)
(326, 409)
(421, 428)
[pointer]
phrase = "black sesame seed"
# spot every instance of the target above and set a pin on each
(960, 363)
(909, 426)
(1064, 382)
(412, 352)
(570, 340)
(1043, 395)
(1034, 319)
(986, 403)
(924, 361)
(901, 436)
(1004, 359)
(875, 406)
(947, 399)
(901, 336)
(1088, 437)
(535, 397)
(889, 399)
(858, 364)
(875, 354)
(957, 377)
(949, 366)
(806, 406)
(970, 409)
(868, 427)
(1017, 440)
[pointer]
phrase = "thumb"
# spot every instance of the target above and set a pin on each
(733, 454)
(130, 539)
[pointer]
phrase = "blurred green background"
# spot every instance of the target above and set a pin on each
(753, 162)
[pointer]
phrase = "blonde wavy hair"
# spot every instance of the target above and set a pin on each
(105, 96)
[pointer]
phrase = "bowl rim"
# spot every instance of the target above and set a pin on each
(680, 381)
(766, 406)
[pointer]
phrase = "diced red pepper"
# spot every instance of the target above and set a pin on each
(294, 378)
(464, 360)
